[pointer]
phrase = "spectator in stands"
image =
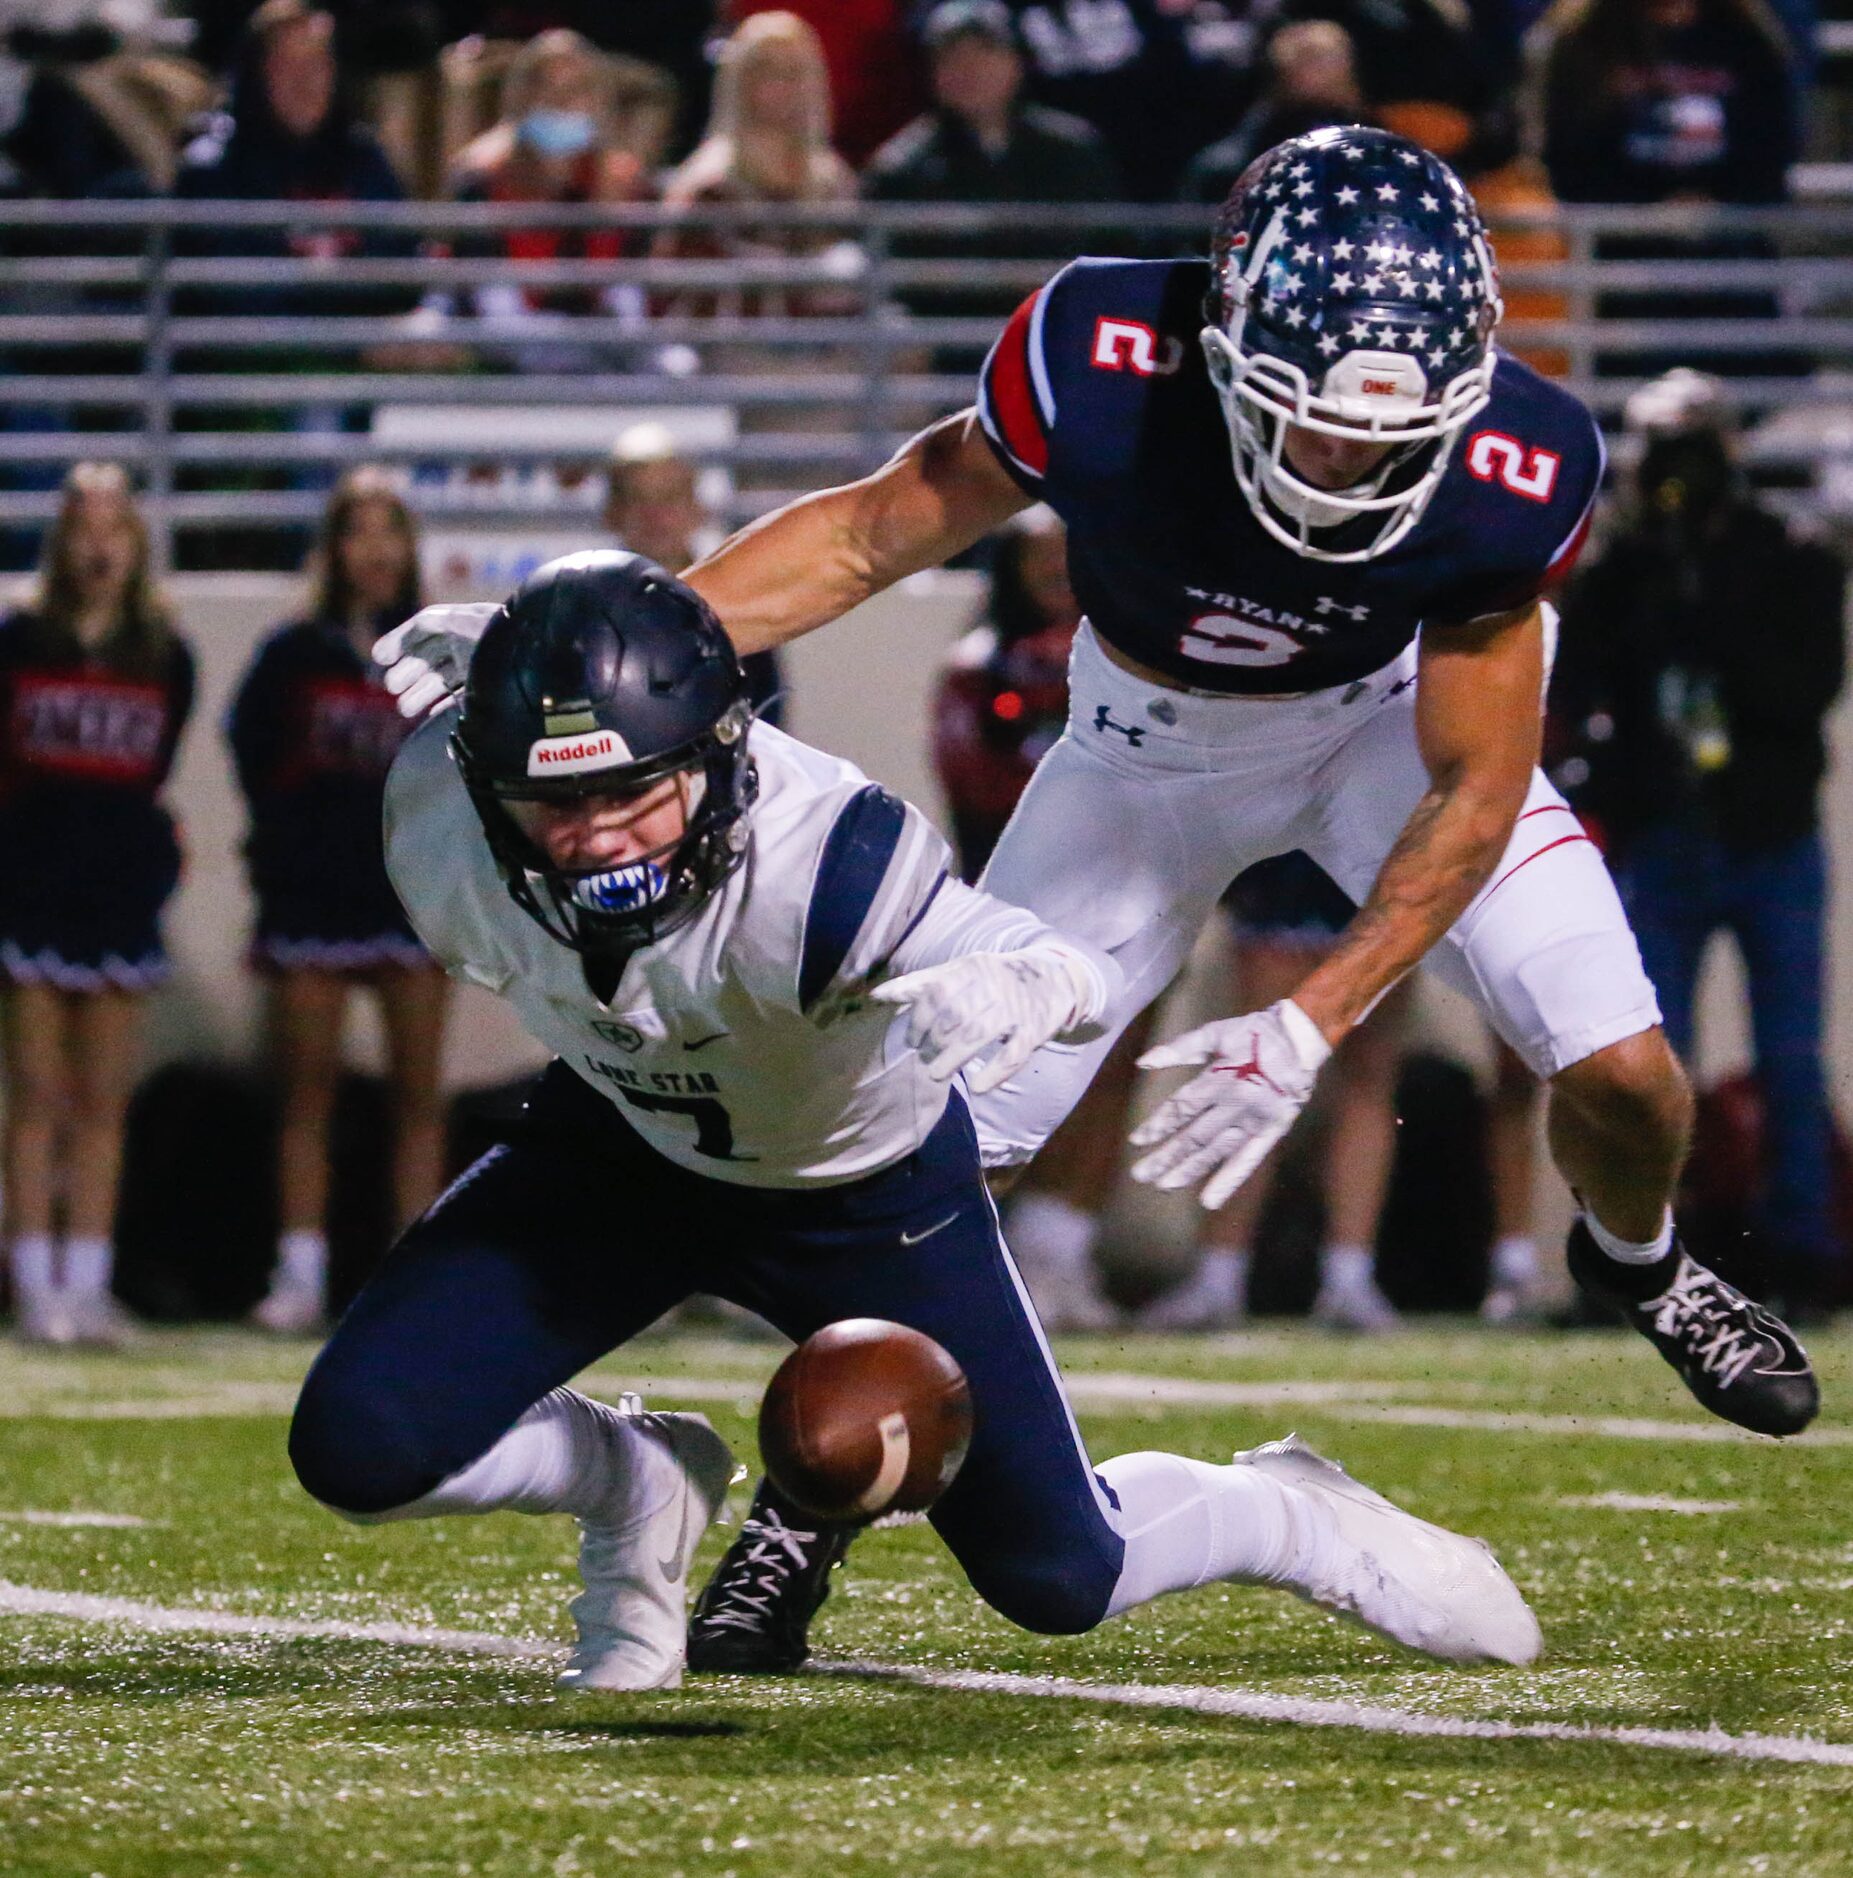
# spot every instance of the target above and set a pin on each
(288, 134)
(982, 143)
(1671, 101)
(874, 75)
(1432, 73)
(768, 143)
(558, 142)
(653, 506)
(95, 688)
(1666, 100)
(101, 112)
(313, 732)
(1701, 759)
(1312, 82)
(1158, 79)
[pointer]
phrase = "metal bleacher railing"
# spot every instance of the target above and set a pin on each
(237, 384)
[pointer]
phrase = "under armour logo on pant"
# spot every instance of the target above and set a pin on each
(1133, 733)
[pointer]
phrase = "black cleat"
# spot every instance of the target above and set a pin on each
(754, 1615)
(1739, 1360)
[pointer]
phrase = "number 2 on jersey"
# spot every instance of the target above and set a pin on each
(1492, 456)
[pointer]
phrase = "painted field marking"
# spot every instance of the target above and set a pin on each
(32, 1516)
(1236, 1704)
(1341, 1401)
(1649, 1503)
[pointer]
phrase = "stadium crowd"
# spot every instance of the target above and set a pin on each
(1696, 764)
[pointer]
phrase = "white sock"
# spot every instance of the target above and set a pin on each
(1188, 1523)
(302, 1257)
(1223, 1275)
(1631, 1251)
(89, 1259)
(1346, 1268)
(567, 1454)
(1515, 1260)
(1049, 1234)
(31, 1264)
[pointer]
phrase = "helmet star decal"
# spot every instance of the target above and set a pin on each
(1353, 295)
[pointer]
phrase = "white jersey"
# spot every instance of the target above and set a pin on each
(741, 1046)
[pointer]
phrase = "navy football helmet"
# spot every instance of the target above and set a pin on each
(1353, 293)
(601, 674)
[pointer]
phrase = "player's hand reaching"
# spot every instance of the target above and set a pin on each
(1009, 1003)
(1219, 1126)
(427, 659)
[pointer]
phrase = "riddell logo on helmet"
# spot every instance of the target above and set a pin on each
(566, 756)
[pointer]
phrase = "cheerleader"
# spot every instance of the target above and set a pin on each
(313, 733)
(95, 688)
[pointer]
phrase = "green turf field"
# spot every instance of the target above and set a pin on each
(1688, 1579)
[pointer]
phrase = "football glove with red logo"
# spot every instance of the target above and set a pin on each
(1261, 1069)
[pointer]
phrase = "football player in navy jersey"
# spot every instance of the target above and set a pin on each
(1311, 514)
(760, 982)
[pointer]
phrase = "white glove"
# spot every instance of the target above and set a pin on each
(1261, 1070)
(1012, 1002)
(427, 659)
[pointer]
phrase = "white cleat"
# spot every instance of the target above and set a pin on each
(98, 1322)
(44, 1318)
(1514, 1306)
(1359, 1310)
(632, 1615)
(1208, 1299)
(1068, 1301)
(1420, 1585)
(292, 1307)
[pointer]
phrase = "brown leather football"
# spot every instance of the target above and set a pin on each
(864, 1418)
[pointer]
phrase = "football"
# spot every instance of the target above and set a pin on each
(864, 1418)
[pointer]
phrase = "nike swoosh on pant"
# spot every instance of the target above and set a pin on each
(914, 1238)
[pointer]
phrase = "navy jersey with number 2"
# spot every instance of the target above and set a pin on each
(1097, 400)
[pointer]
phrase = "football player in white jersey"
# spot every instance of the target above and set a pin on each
(768, 998)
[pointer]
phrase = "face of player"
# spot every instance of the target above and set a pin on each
(299, 75)
(654, 511)
(592, 833)
(1331, 462)
(104, 546)
(375, 556)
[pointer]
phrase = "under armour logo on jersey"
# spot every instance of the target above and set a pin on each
(1132, 346)
(1103, 720)
(1326, 604)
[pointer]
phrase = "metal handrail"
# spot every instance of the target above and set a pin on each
(854, 378)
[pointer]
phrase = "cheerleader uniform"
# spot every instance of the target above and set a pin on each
(313, 732)
(88, 856)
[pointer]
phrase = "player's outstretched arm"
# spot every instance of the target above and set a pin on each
(811, 561)
(1478, 729)
(1477, 726)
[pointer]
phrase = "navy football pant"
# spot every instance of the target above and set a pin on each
(560, 1245)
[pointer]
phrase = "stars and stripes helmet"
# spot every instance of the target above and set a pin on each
(601, 674)
(1353, 293)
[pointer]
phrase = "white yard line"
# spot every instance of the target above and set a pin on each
(1648, 1503)
(32, 1516)
(1361, 1401)
(1237, 1704)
